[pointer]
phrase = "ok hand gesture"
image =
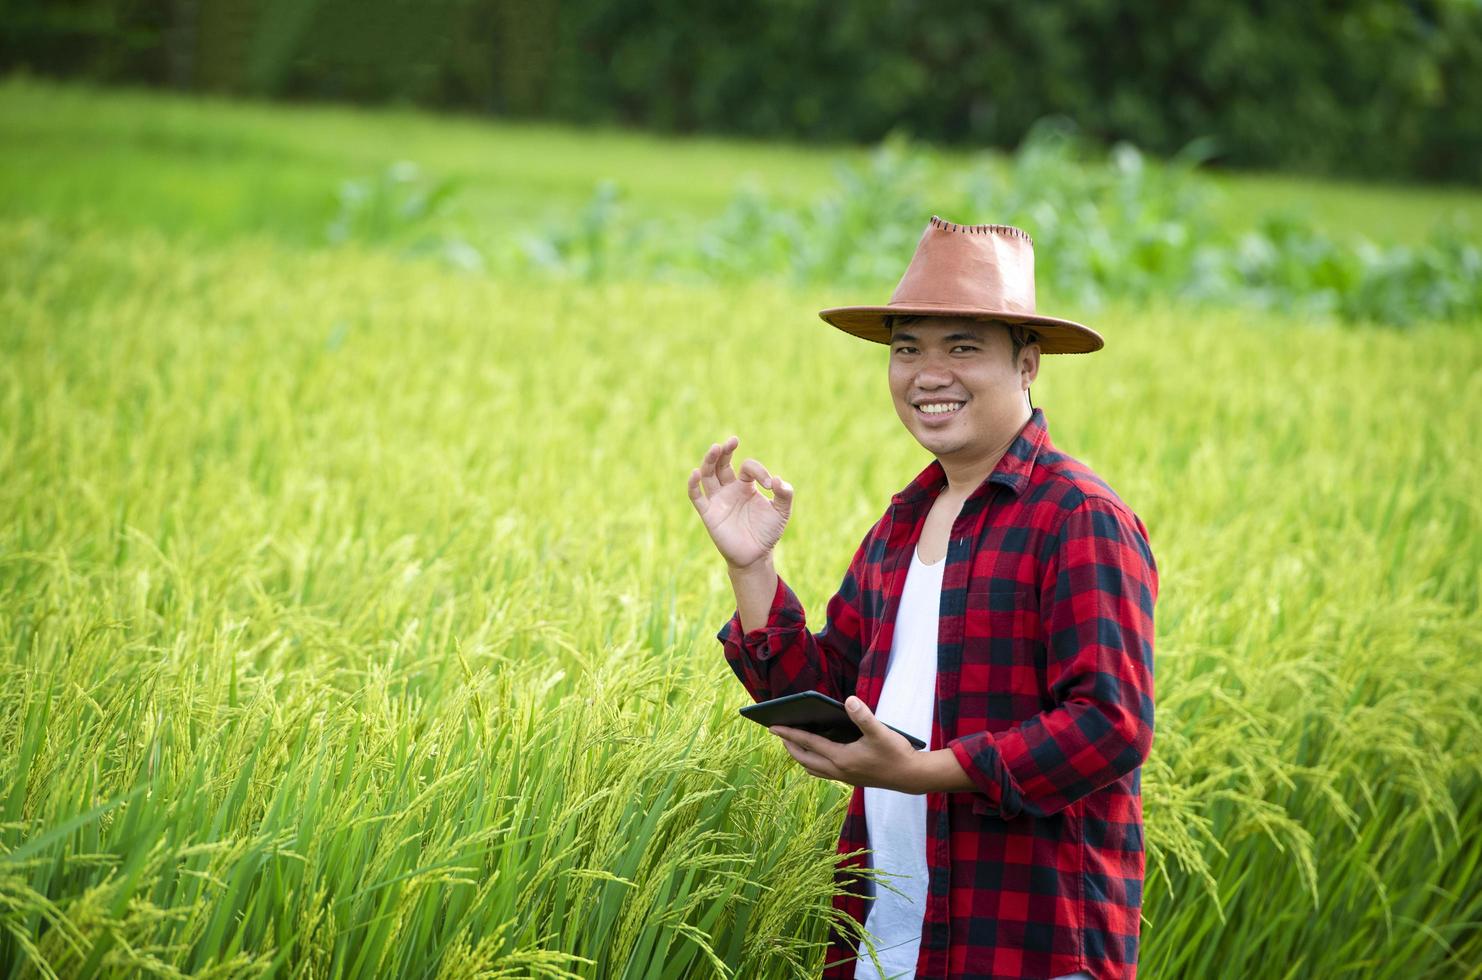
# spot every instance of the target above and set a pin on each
(742, 522)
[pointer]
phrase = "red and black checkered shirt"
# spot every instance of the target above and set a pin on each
(1044, 694)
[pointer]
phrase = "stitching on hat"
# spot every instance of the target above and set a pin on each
(983, 229)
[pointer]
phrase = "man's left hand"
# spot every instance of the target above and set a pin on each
(881, 758)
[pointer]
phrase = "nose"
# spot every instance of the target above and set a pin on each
(933, 373)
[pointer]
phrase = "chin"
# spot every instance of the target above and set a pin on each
(934, 443)
(942, 452)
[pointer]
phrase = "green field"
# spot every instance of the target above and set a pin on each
(354, 620)
(217, 168)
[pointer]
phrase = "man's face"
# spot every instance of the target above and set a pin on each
(966, 367)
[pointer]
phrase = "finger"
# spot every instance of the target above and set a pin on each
(697, 496)
(753, 470)
(782, 497)
(723, 471)
(708, 479)
(816, 764)
(816, 744)
(799, 756)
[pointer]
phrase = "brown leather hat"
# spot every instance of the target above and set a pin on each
(980, 271)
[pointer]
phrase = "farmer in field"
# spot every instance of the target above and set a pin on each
(1002, 604)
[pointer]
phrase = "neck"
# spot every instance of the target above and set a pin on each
(965, 474)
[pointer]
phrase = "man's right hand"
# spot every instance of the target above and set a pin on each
(742, 522)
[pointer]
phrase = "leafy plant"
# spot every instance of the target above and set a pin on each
(1107, 227)
(401, 207)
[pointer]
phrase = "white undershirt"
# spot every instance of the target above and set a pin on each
(895, 823)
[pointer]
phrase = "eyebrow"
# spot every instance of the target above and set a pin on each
(902, 335)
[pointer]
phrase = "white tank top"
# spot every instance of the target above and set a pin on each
(896, 822)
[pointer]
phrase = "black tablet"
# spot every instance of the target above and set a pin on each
(813, 711)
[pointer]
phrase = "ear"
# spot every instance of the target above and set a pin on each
(1028, 364)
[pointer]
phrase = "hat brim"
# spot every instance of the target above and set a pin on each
(1057, 336)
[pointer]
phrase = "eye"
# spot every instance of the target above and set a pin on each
(964, 347)
(903, 349)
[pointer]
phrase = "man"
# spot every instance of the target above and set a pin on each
(1002, 605)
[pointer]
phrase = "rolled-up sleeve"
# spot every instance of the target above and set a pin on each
(1098, 589)
(783, 657)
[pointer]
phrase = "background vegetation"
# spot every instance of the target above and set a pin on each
(1115, 224)
(1358, 87)
(354, 620)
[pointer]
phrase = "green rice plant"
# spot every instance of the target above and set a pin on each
(354, 621)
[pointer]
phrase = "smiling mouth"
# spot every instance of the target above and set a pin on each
(938, 410)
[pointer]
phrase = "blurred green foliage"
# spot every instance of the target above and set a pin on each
(1115, 226)
(402, 207)
(1369, 87)
(575, 206)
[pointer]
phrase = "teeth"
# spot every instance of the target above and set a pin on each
(938, 408)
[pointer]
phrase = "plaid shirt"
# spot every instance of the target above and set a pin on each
(1044, 695)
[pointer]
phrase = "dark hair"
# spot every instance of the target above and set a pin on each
(1019, 335)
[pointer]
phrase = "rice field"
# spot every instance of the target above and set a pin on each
(354, 620)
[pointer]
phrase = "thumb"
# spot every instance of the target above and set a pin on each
(860, 714)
